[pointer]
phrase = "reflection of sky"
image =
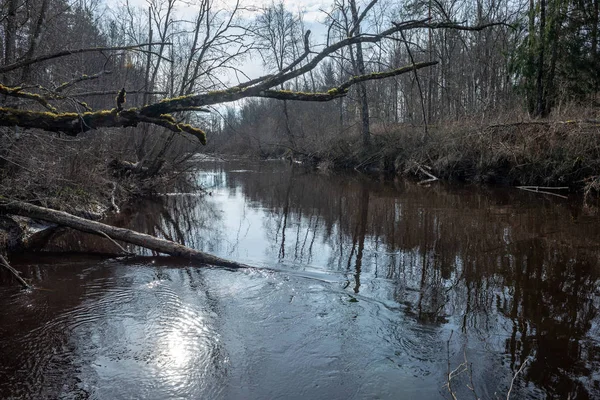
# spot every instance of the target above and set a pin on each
(248, 235)
(248, 231)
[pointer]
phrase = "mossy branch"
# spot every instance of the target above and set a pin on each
(17, 92)
(341, 90)
(159, 113)
(72, 124)
(387, 74)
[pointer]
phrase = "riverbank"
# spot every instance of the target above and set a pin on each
(563, 153)
(87, 176)
(544, 153)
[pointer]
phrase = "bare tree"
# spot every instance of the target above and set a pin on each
(278, 33)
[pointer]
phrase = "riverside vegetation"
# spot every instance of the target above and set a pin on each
(118, 105)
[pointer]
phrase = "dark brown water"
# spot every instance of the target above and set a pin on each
(367, 290)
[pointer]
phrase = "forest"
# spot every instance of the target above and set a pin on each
(104, 102)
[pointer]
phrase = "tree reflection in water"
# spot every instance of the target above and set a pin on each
(515, 272)
(511, 273)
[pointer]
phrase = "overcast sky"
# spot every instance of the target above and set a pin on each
(309, 9)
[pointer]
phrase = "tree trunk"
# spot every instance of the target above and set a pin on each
(595, 41)
(531, 59)
(359, 69)
(288, 129)
(126, 235)
(10, 34)
(540, 110)
(553, 40)
(35, 40)
(148, 59)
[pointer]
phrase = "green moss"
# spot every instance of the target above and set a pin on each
(199, 133)
(168, 117)
(51, 115)
(176, 98)
(231, 90)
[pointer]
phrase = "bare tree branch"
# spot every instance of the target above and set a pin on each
(82, 78)
(64, 53)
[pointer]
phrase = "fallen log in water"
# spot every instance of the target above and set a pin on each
(13, 271)
(125, 235)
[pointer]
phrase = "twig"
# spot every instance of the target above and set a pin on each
(449, 384)
(21, 64)
(432, 178)
(81, 79)
(544, 187)
(14, 272)
(535, 189)
(116, 244)
(472, 385)
(515, 377)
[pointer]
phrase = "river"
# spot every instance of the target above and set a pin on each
(364, 288)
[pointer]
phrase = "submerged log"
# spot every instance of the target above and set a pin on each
(125, 235)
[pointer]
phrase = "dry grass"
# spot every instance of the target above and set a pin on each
(550, 152)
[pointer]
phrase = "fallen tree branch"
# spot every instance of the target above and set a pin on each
(111, 93)
(545, 123)
(423, 169)
(512, 382)
(72, 124)
(125, 235)
(16, 274)
(125, 252)
(544, 190)
(79, 79)
(235, 93)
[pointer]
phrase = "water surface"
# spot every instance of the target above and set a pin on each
(365, 289)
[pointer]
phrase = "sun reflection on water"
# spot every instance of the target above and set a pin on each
(178, 353)
(186, 348)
